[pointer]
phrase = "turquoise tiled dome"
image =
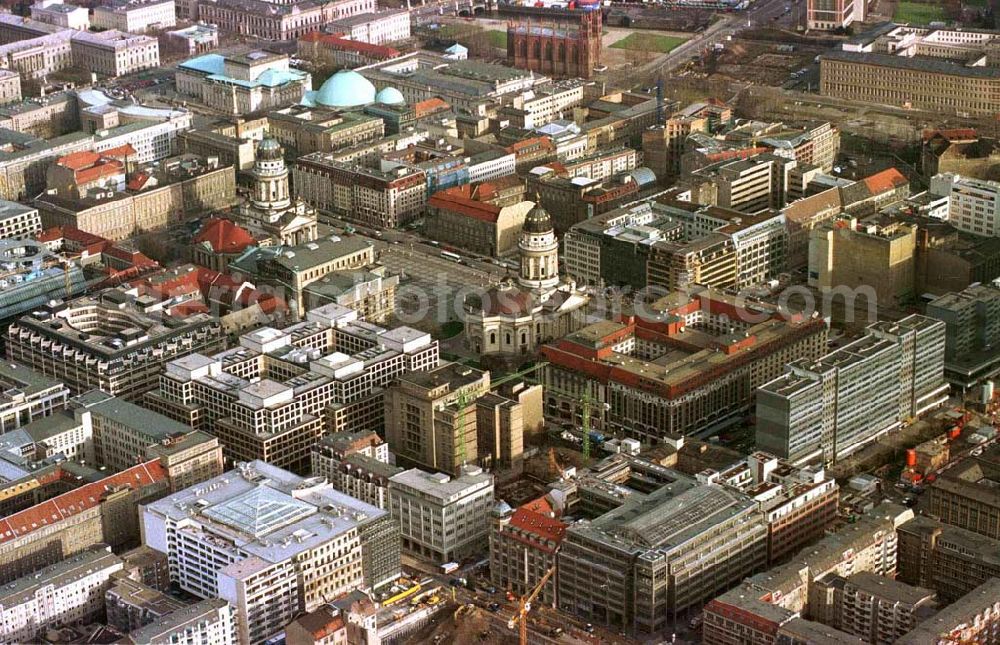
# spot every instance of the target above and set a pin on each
(390, 96)
(346, 88)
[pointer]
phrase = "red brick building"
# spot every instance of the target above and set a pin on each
(556, 50)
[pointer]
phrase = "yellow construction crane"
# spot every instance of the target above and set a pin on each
(524, 606)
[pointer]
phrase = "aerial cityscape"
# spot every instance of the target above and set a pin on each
(547, 322)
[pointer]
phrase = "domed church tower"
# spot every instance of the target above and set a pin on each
(539, 249)
(270, 177)
(271, 212)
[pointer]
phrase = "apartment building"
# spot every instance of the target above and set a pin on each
(442, 518)
(967, 494)
(135, 17)
(918, 82)
(374, 28)
(829, 15)
(714, 361)
(60, 594)
(656, 558)
(242, 83)
(206, 621)
(102, 511)
(106, 342)
(357, 464)
(973, 204)
(950, 560)
(274, 395)
(430, 417)
(271, 544)
(524, 545)
(878, 609)
(972, 330)
(365, 195)
(973, 618)
(831, 407)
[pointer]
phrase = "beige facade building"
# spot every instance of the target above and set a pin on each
(852, 254)
(476, 219)
(303, 130)
(55, 12)
(186, 185)
(135, 17)
(967, 495)
(242, 84)
(430, 417)
(275, 20)
(922, 83)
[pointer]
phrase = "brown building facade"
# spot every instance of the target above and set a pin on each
(556, 50)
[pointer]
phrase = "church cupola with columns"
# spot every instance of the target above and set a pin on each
(271, 213)
(539, 250)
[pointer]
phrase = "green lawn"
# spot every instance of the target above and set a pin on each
(451, 329)
(498, 38)
(648, 42)
(919, 13)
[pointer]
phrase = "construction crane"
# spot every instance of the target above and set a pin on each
(587, 403)
(524, 606)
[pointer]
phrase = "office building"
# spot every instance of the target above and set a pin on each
(59, 14)
(950, 560)
(750, 185)
(967, 494)
(657, 557)
(442, 518)
(366, 195)
(242, 84)
(162, 194)
(668, 243)
(63, 593)
(18, 220)
(135, 17)
(846, 253)
(303, 130)
(831, 407)
(274, 395)
(430, 417)
(972, 331)
(373, 28)
(28, 396)
(830, 15)
(689, 362)
(106, 342)
(357, 464)
(100, 511)
(476, 218)
(918, 82)
(524, 545)
(549, 103)
(973, 204)
(260, 537)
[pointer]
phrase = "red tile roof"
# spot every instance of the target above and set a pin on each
(224, 236)
(77, 501)
(138, 182)
(344, 44)
(429, 106)
(885, 181)
(120, 152)
(79, 160)
(547, 528)
(460, 200)
(953, 134)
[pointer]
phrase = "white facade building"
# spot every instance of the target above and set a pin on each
(209, 622)
(375, 28)
(114, 53)
(270, 543)
(442, 518)
(18, 220)
(135, 16)
(60, 594)
(152, 140)
(57, 13)
(973, 204)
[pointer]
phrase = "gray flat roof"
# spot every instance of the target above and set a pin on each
(915, 63)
